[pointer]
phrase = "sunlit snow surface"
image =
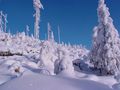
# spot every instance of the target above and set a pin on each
(32, 81)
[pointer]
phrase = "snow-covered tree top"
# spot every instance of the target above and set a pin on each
(102, 1)
(38, 4)
(105, 19)
(103, 13)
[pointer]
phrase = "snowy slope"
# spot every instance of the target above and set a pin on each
(39, 57)
(40, 82)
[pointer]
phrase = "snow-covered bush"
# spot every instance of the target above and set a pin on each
(105, 53)
(65, 63)
(76, 51)
(16, 69)
(47, 57)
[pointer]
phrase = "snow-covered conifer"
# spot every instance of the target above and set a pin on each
(105, 53)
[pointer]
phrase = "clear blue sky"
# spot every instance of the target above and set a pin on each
(76, 18)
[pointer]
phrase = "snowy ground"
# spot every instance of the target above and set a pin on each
(30, 78)
(33, 81)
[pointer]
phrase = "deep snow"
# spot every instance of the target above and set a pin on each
(34, 81)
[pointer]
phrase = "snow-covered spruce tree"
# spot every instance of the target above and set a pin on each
(37, 6)
(105, 53)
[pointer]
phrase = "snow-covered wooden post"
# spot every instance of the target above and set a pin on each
(27, 30)
(45, 36)
(37, 6)
(5, 22)
(59, 34)
(52, 37)
(1, 21)
(50, 33)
